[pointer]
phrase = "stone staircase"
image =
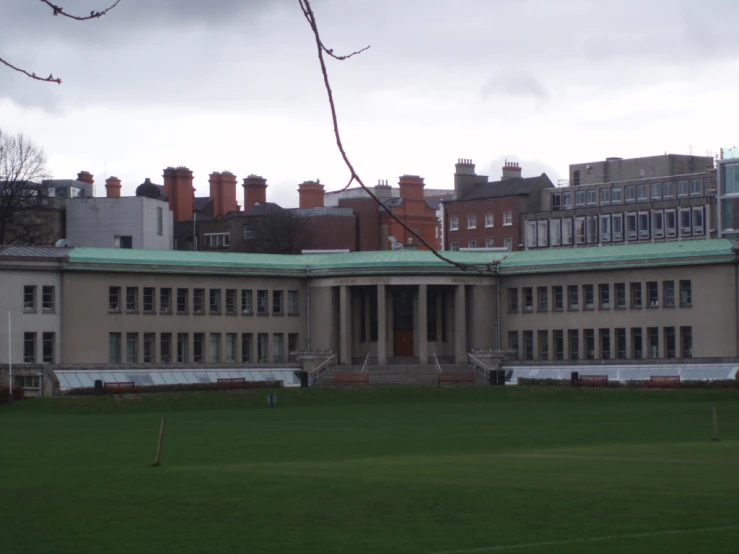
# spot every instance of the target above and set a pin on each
(403, 375)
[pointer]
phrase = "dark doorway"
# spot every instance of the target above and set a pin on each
(403, 322)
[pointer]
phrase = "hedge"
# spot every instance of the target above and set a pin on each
(715, 384)
(18, 394)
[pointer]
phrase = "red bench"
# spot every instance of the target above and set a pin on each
(231, 383)
(121, 387)
(663, 381)
(351, 379)
(593, 380)
(456, 378)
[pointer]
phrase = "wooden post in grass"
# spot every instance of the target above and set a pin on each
(715, 423)
(158, 459)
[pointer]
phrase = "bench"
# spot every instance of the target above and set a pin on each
(231, 383)
(121, 387)
(593, 380)
(456, 378)
(351, 379)
(663, 381)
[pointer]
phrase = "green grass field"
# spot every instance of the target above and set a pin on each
(417, 471)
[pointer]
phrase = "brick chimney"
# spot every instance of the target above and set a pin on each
(179, 189)
(255, 190)
(511, 170)
(464, 166)
(86, 177)
(465, 177)
(223, 193)
(310, 194)
(112, 187)
(411, 187)
(383, 190)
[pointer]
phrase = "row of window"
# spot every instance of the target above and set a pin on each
(181, 299)
(30, 299)
(643, 192)
(472, 221)
(30, 348)
(584, 296)
(206, 348)
(619, 344)
(604, 228)
(489, 243)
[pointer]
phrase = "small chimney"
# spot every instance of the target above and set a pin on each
(179, 189)
(216, 197)
(411, 187)
(86, 177)
(112, 187)
(255, 191)
(511, 170)
(464, 166)
(310, 194)
(383, 191)
(228, 192)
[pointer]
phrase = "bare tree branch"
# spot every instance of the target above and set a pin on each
(58, 10)
(49, 79)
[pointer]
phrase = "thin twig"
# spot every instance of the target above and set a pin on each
(58, 10)
(49, 79)
(311, 18)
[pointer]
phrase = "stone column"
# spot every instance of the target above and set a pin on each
(422, 313)
(460, 329)
(345, 331)
(381, 325)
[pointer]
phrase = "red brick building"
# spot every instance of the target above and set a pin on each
(487, 214)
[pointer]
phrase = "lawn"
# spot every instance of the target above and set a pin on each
(395, 470)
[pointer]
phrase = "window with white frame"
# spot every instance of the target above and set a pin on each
(542, 238)
(642, 192)
(631, 226)
(698, 226)
(592, 228)
(508, 244)
(580, 198)
(617, 227)
(567, 200)
(454, 246)
(453, 223)
(489, 243)
(472, 243)
(489, 220)
(579, 230)
(555, 232)
(567, 231)
(592, 197)
(472, 221)
(508, 218)
(668, 190)
(216, 240)
(695, 187)
(605, 196)
(630, 193)
(643, 225)
(605, 228)
(656, 191)
(683, 188)
(531, 234)
(556, 201)
(658, 224)
(670, 223)
(685, 219)
(616, 195)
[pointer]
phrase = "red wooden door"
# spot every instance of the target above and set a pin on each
(403, 343)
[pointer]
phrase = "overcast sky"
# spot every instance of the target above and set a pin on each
(235, 85)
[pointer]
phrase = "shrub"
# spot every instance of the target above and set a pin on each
(18, 394)
(180, 387)
(716, 384)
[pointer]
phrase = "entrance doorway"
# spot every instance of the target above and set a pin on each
(403, 322)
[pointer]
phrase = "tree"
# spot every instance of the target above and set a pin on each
(25, 207)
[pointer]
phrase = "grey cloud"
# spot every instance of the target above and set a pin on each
(513, 82)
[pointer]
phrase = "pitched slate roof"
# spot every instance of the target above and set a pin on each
(508, 187)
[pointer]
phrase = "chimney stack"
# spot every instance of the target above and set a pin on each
(112, 187)
(310, 194)
(255, 191)
(411, 187)
(464, 166)
(511, 170)
(223, 193)
(383, 191)
(86, 177)
(178, 187)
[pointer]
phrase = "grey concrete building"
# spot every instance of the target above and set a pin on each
(647, 167)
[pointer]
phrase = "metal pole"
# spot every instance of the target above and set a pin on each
(10, 360)
(715, 423)
(160, 442)
(195, 231)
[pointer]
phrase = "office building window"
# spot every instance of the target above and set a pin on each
(617, 227)
(636, 298)
(508, 218)
(579, 230)
(605, 197)
(642, 193)
(695, 187)
(555, 232)
(277, 302)
(543, 295)
(229, 355)
(29, 348)
(114, 299)
(165, 301)
(262, 345)
(123, 242)
(132, 299)
(528, 299)
(292, 302)
(653, 294)
(489, 243)
(453, 223)
(513, 341)
(246, 345)
(246, 295)
(558, 294)
(656, 191)
(48, 301)
(215, 301)
(567, 200)
(542, 231)
(231, 301)
(489, 220)
(668, 294)
(508, 244)
(29, 298)
(183, 295)
(605, 228)
(559, 344)
(543, 345)
(588, 296)
(670, 342)
(214, 352)
(686, 342)
(653, 342)
(277, 346)
(148, 304)
(567, 231)
(658, 224)
(589, 344)
(591, 197)
(631, 226)
(573, 298)
(132, 348)
(531, 234)
(512, 300)
(636, 343)
(643, 225)
(573, 341)
(198, 301)
(668, 190)
(580, 198)
(114, 348)
(528, 345)
(670, 223)
(682, 189)
(150, 348)
(472, 243)
(454, 246)
(198, 348)
(262, 302)
(183, 348)
(619, 290)
(686, 294)
(698, 227)
(621, 344)
(165, 348)
(216, 240)
(160, 221)
(630, 193)
(292, 345)
(472, 221)
(604, 295)
(616, 197)
(604, 337)
(685, 219)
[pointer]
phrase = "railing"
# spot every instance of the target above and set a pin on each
(479, 364)
(316, 372)
(436, 361)
(366, 363)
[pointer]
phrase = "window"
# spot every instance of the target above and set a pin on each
(165, 301)
(642, 193)
(658, 224)
(528, 299)
(512, 300)
(567, 200)
(682, 189)
(542, 233)
(198, 301)
(695, 187)
(114, 299)
(48, 346)
(246, 295)
(292, 345)
(573, 300)
(686, 342)
(472, 221)
(631, 226)
(114, 348)
(528, 345)
(668, 190)
(198, 348)
(262, 302)
(698, 228)
(160, 221)
(630, 193)
(567, 231)
(216, 240)
(605, 228)
(183, 295)
(556, 200)
(573, 341)
(656, 191)
(28, 381)
(605, 196)
(454, 246)
(292, 302)
(579, 230)
(489, 220)
(262, 344)
(454, 223)
(215, 301)
(508, 244)
(617, 226)
(604, 296)
(47, 299)
(165, 348)
(214, 352)
(686, 294)
(616, 195)
(685, 222)
(558, 297)
(619, 291)
(669, 342)
(183, 347)
(580, 198)
(508, 218)
(29, 298)
(653, 343)
(132, 299)
(277, 346)
(653, 294)
(559, 344)
(277, 302)
(543, 345)
(231, 301)
(29, 348)
(555, 232)
(589, 296)
(149, 300)
(668, 294)
(513, 341)
(229, 355)
(489, 243)
(149, 348)
(543, 295)
(132, 348)
(604, 338)
(636, 343)
(621, 344)
(531, 234)
(246, 342)
(636, 299)
(472, 243)
(123, 242)
(643, 225)
(591, 195)
(592, 226)
(670, 223)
